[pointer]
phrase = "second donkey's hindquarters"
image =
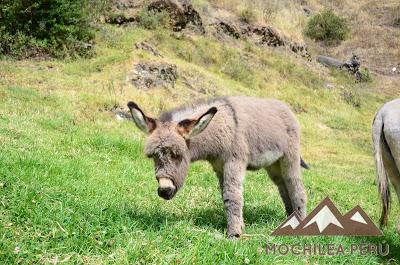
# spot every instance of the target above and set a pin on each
(386, 143)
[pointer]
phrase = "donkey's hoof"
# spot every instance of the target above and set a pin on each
(234, 236)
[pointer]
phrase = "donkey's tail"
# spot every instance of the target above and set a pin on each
(303, 164)
(382, 178)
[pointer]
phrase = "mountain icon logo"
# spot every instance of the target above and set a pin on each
(326, 220)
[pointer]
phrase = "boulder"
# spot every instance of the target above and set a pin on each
(352, 65)
(181, 13)
(147, 47)
(148, 75)
(259, 35)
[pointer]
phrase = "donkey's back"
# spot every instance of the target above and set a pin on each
(268, 127)
(261, 129)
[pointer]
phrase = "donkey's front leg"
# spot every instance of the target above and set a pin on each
(232, 194)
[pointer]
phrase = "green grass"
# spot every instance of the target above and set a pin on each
(77, 188)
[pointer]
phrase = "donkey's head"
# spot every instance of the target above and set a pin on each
(167, 145)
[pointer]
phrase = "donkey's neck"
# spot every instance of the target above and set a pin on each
(199, 150)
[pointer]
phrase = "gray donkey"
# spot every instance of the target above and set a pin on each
(233, 134)
(386, 140)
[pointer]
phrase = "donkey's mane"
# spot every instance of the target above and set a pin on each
(190, 108)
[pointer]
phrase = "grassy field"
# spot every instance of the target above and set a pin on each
(75, 186)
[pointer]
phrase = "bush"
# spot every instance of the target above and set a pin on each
(57, 28)
(365, 75)
(152, 19)
(237, 68)
(328, 27)
(351, 97)
(248, 15)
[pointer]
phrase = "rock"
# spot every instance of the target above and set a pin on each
(178, 35)
(329, 61)
(117, 112)
(352, 65)
(17, 249)
(122, 115)
(269, 36)
(124, 11)
(148, 75)
(307, 11)
(120, 19)
(227, 29)
(396, 22)
(147, 47)
(181, 13)
(329, 86)
(259, 35)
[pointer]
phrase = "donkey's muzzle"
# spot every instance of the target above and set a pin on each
(166, 193)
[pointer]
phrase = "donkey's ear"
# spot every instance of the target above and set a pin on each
(144, 123)
(192, 127)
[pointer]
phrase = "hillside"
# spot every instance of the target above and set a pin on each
(75, 186)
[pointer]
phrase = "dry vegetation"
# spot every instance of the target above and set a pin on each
(375, 37)
(375, 28)
(285, 16)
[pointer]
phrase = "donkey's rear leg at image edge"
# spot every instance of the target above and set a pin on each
(386, 140)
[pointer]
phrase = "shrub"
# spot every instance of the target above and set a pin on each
(365, 75)
(248, 15)
(58, 28)
(328, 27)
(153, 19)
(351, 97)
(237, 68)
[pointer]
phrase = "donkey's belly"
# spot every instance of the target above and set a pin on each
(262, 160)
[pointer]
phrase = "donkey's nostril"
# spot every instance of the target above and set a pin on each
(166, 193)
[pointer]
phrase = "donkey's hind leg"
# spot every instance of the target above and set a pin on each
(274, 172)
(291, 175)
(391, 159)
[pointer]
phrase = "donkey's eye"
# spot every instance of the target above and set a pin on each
(176, 156)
